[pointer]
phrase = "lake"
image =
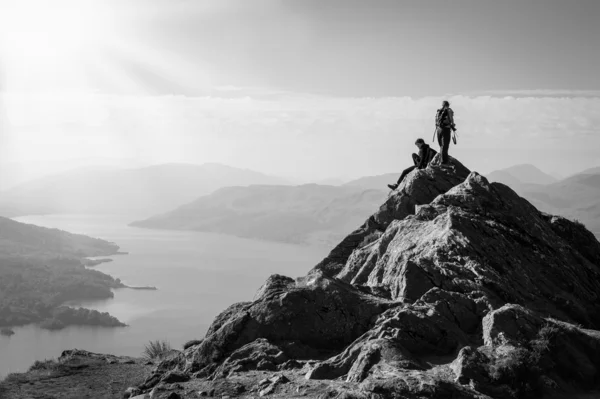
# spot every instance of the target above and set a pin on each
(197, 275)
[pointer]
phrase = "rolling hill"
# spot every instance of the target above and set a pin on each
(138, 192)
(517, 174)
(308, 213)
(378, 182)
(575, 197)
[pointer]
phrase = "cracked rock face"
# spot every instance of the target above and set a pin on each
(468, 291)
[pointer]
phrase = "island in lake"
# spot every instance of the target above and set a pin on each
(41, 269)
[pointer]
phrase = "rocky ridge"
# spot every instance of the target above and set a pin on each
(454, 288)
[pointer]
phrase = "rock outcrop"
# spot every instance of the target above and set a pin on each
(465, 290)
(78, 374)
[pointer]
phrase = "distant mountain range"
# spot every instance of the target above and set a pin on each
(520, 174)
(322, 214)
(236, 201)
(575, 197)
(15, 173)
(140, 192)
(378, 182)
(308, 213)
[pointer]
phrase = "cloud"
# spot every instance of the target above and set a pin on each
(297, 134)
(537, 93)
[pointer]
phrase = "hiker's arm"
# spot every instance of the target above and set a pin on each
(451, 118)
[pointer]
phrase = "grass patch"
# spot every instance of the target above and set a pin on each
(46, 364)
(523, 368)
(156, 350)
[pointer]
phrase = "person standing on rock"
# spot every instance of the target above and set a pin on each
(426, 154)
(444, 126)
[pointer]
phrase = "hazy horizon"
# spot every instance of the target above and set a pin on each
(30, 171)
(305, 90)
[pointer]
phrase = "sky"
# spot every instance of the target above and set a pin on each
(302, 89)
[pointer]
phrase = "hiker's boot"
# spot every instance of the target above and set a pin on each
(392, 186)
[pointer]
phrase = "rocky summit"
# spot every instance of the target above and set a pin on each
(454, 288)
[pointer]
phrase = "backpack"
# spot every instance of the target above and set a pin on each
(441, 117)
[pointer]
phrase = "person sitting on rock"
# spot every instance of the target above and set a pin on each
(444, 124)
(426, 154)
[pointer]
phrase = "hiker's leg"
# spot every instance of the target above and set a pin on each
(405, 172)
(439, 136)
(416, 159)
(445, 143)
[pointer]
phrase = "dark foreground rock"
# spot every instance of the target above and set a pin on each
(461, 290)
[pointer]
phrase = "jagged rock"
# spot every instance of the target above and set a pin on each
(257, 355)
(174, 376)
(463, 309)
(511, 324)
(319, 312)
(419, 386)
(291, 364)
(452, 298)
(419, 187)
(470, 364)
(577, 236)
(170, 361)
(151, 381)
(267, 391)
(269, 385)
(130, 392)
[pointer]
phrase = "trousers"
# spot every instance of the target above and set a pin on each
(443, 136)
(406, 171)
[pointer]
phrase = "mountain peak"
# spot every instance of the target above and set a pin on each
(522, 173)
(451, 289)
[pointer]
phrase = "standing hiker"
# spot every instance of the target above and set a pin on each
(426, 154)
(444, 126)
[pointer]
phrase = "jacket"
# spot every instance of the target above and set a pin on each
(426, 154)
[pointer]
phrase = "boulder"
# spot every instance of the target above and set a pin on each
(317, 312)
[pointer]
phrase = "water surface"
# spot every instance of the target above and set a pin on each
(197, 276)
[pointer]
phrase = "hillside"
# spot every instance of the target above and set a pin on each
(575, 197)
(140, 191)
(525, 173)
(455, 288)
(378, 182)
(33, 241)
(504, 177)
(309, 213)
(42, 268)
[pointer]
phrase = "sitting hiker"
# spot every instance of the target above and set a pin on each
(444, 123)
(420, 161)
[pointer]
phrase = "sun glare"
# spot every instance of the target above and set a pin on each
(42, 41)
